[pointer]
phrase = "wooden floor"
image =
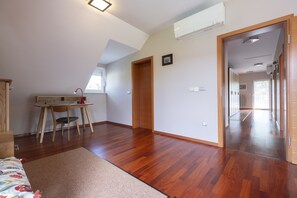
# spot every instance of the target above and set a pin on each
(255, 132)
(176, 167)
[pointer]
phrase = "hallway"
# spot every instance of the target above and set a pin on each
(253, 131)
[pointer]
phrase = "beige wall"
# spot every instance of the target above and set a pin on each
(249, 79)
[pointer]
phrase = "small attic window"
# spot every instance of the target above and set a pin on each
(97, 81)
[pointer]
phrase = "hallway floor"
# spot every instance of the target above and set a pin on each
(253, 131)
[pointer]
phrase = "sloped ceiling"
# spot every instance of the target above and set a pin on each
(115, 51)
(52, 47)
(61, 40)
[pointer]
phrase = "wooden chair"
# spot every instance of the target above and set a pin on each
(63, 120)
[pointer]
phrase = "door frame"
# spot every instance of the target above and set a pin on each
(221, 39)
(134, 64)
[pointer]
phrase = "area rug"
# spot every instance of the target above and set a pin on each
(79, 173)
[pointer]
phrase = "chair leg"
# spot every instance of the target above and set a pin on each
(68, 132)
(77, 126)
(62, 128)
(54, 133)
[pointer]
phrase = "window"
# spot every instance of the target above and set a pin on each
(97, 81)
(261, 94)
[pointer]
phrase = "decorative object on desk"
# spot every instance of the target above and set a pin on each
(167, 59)
(101, 5)
(82, 100)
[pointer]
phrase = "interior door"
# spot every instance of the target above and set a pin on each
(142, 111)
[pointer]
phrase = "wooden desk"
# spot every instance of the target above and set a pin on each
(45, 106)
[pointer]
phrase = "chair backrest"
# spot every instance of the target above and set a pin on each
(59, 109)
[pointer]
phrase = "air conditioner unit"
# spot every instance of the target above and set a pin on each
(201, 21)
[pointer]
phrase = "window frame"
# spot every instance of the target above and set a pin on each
(97, 70)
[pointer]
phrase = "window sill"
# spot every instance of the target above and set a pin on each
(100, 93)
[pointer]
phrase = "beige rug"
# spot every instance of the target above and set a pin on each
(80, 173)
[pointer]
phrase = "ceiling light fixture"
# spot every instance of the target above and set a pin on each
(251, 39)
(101, 5)
(258, 64)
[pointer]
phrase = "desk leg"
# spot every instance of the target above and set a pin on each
(89, 119)
(83, 117)
(39, 122)
(43, 124)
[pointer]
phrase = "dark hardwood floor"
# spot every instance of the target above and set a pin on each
(255, 132)
(175, 167)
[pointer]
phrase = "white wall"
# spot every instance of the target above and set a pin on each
(118, 82)
(51, 48)
(177, 110)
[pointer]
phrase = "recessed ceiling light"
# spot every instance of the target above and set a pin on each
(258, 64)
(101, 5)
(251, 39)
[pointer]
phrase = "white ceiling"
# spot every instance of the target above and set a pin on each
(149, 17)
(154, 15)
(242, 57)
(115, 51)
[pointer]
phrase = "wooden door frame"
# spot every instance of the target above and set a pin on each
(221, 72)
(281, 90)
(133, 65)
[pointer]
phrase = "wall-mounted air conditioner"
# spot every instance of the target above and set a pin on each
(201, 21)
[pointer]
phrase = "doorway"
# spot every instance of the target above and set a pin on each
(249, 31)
(143, 94)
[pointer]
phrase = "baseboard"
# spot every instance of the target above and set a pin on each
(186, 138)
(72, 127)
(246, 108)
(95, 123)
(23, 135)
(119, 124)
(130, 127)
